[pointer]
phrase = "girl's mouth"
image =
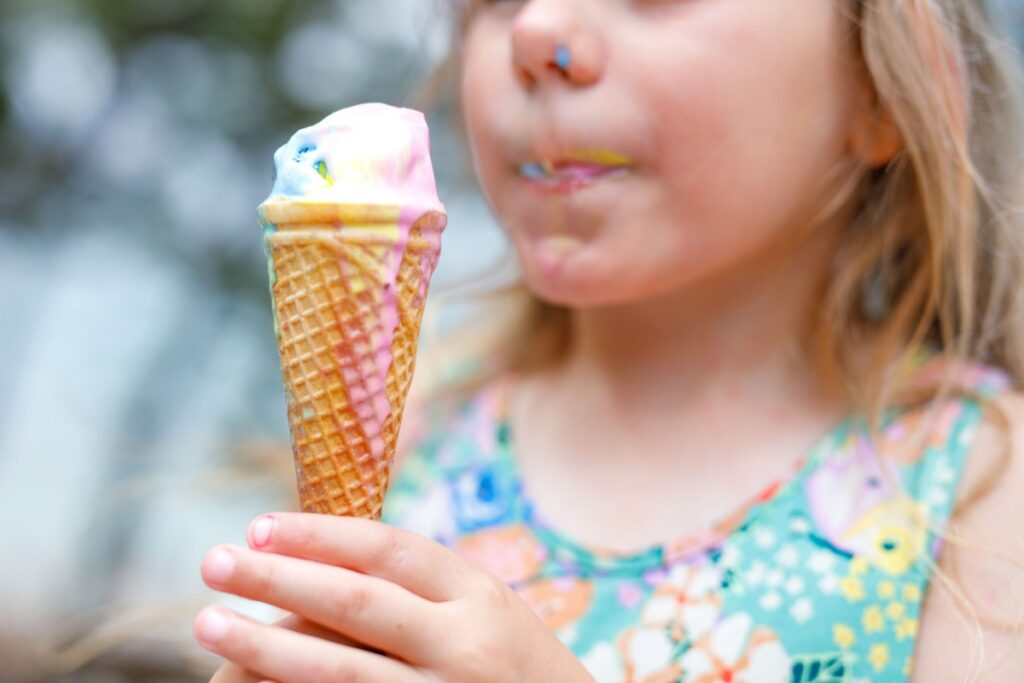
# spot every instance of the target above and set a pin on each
(575, 171)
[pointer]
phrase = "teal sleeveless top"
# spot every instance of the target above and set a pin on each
(819, 577)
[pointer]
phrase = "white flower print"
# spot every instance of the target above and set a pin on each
(730, 556)
(686, 603)
(787, 556)
(794, 585)
(944, 472)
(828, 583)
(821, 561)
(799, 525)
(802, 610)
(937, 497)
(764, 538)
(736, 651)
(569, 634)
(432, 514)
(757, 573)
(775, 578)
(649, 651)
(603, 663)
(770, 601)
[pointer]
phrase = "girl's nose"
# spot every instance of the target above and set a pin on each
(552, 42)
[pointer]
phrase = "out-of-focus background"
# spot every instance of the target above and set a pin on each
(142, 415)
(142, 418)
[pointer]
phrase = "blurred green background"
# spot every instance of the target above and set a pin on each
(142, 417)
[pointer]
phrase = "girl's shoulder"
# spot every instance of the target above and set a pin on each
(987, 567)
(983, 552)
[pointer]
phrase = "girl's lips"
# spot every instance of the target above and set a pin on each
(569, 175)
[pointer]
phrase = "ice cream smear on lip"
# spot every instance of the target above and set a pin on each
(578, 166)
(357, 183)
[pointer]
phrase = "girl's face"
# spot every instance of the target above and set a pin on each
(685, 138)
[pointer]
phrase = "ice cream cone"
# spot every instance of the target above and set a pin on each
(349, 278)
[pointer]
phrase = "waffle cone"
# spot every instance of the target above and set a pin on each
(336, 297)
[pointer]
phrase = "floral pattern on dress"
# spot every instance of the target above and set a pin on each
(737, 651)
(818, 578)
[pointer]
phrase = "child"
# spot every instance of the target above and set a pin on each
(767, 370)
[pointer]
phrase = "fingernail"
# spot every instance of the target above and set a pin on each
(213, 624)
(221, 566)
(262, 528)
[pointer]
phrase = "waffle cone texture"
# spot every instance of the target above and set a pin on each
(348, 322)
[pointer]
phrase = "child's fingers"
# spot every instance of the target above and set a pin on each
(418, 564)
(373, 611)
(233, 673)
(285, 656)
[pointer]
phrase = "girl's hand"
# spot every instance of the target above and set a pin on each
(233, 673)
(390, 606)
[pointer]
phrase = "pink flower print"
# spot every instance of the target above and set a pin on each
(559, 602)
(845, 487)
(901, 442)
(630, 595)
(481, 421)
(511, 553)
(737, 652)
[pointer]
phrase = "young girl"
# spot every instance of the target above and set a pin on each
(766, 370)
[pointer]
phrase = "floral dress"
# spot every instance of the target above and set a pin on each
(818, 578)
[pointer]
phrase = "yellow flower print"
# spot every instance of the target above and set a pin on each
(843, 636)
(859, 565)
(891, 537)
(886, 589)
(873, 620)
(911, 592)
(895, 610)
(852, 589)
(906, 628)
(879, 656)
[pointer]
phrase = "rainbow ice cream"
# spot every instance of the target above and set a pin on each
(352, 230)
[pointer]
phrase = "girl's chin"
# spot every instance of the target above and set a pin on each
(559, 272)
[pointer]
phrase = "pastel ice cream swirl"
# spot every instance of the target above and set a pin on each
(369, 153)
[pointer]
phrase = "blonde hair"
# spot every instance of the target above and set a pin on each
(932, 258)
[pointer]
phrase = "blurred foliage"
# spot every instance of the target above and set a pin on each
(160, 118)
